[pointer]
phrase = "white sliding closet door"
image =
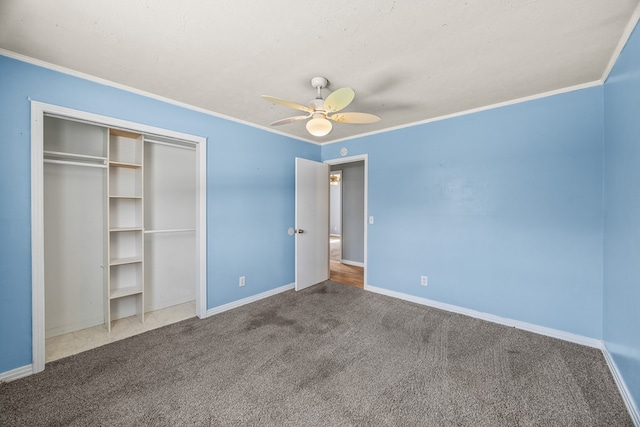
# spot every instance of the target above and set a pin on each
(170, 222)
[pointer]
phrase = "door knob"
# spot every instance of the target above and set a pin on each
(293, 231)
(299, 231)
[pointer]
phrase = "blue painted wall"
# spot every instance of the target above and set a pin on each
(622, 215)
(501, 209)
(250, 198)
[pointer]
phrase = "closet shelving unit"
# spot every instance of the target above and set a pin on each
(125, 221)
(119, 235)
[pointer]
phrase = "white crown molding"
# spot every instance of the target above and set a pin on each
(542, 330)
(14, 374)
(115, 85)
(474, 110)
(235, 304)
(622, 386)
(633, 21)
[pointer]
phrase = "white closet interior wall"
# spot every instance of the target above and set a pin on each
(170, 224)
(74, 226)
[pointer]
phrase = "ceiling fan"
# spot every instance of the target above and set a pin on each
(321, 111)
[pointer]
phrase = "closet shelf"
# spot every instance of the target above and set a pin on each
(125, 165)
(129, 260)
(171, 230)
(125, 292)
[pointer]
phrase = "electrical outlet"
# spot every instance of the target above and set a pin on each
(424, 280)
(242, 281)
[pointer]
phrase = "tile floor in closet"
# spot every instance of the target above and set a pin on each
(86, 339)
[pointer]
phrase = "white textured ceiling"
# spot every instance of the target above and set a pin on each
(407, 61)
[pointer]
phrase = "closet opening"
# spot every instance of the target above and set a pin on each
(118, 230)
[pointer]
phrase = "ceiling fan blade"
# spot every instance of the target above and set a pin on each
(289, 120)
(354, 118)
(289, 104)
(339, 99)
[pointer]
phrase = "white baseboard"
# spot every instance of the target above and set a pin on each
(248, 300)
(550, 332)
(622, 386)
(14, 374)
(354, 263)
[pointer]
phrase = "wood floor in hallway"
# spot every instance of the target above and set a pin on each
(346, 274)
(343, 273)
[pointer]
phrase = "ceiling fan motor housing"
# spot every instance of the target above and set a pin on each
(319, 82)
(317, 105)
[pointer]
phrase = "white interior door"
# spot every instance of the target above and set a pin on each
(312, 223)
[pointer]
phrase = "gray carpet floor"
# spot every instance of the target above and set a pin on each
(331, 355)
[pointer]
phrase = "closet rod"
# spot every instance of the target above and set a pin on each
(73, 155)
(64, 162)
(175, 230)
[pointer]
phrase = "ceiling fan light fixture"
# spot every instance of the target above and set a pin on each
(319, 127)
(320, 111)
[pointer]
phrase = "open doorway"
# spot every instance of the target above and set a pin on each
(347, 223)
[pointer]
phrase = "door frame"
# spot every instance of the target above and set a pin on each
(365, 159)
(38, 111)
